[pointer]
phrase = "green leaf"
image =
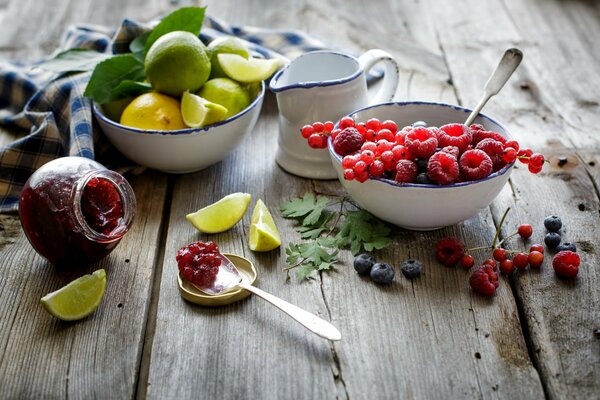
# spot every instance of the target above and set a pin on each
(128, 87)
(138, 46)
(309, 207)
(110, 73)
(187, 19)
(306, 271)
(362, 230)
(74, 60)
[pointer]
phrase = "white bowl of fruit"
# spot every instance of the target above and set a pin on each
(417, 166)
(195, 107)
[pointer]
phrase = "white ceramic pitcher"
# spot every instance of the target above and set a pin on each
(323, 86)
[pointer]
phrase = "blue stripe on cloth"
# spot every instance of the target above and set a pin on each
(59, 119)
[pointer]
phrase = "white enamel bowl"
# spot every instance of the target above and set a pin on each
(185, 150)
(423, 207)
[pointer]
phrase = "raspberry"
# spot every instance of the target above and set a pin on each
(348, 141)
(458, 135)
(421, 142)
(406, 171)
(467, 261)
(442, 168)
(481, 134)
(525, 231)
(475, 164)
(490, 262)
(520, 260)
(199, 263)
(449, 251)
(566, 264)
(507, 267)
(535, 259)
(455, 151)
(484, 281)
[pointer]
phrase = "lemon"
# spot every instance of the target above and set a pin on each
(247, 70)
(226, 92)
(222, 215)
(177, 62)
(264, 235)
(153, 111)
(77, 299)
(198, 112)
(226, 44)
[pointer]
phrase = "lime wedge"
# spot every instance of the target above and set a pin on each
(222, 215)
(247, 70)
(198, 112)
(77, 299)
(264, 235)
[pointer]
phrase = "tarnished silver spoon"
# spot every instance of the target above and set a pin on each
(508, 64)
(229, 278)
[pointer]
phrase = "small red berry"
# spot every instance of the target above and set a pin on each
(360, 167)
(490, 262)
(315, 141)
(537, 247)
(367, 156)
(484, 281)
(406, 171)
(513, 144)
(520, 260)
(385, 134)
(534, 169)
(475, 164)
(507, 267)
(377, 168)
(467, 261)
(509, 154)
(499, 254)
(348, 141)
(306, 131)
(349, 161)
(349, 174)
(523, 155)
(389, 124)
(328, 126)
(334, 133)
(421, 142)
(374, 124)
(525, 231)
(346, 122)
(458, 135)
(361, 176)
(317, 126)
(449, 251)
(535, 259)
(442, 168)
(566, 264)
(536, 159)
(368, 146)
(401, 153)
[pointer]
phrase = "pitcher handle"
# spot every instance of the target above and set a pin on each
(390, 78)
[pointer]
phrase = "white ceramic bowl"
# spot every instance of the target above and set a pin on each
(184, 150)
(415, 206)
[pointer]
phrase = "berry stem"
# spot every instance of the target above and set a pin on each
(499, 228)
(506, 238)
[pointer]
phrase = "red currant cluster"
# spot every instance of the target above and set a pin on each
(419, 154)
(451, 251)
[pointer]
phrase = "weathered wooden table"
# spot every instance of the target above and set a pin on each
(430, 338)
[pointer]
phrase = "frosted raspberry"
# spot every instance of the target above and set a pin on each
(475, 164)
(479, 135)
(449, 251)
(455, 151)
(442, 168)
(566, 264)
(348, 141)
(458, 135)
(199, 263)
(484, 281)
(495, 150)
(421, 142)
(406, 171)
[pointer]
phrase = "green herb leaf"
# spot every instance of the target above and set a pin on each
(309, 207)
(187, 19)
(312, 257)
(362, 230)
(110, 73)
(138, 46)
(74, 60)
(128, 87)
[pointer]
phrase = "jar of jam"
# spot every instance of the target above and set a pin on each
(74, 211)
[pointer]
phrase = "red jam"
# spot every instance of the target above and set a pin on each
(75, 211)
(199, 262)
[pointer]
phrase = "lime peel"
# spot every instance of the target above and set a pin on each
(264, 235)
(198, 112)
(247, 70)
(221, 215)
(77, 299)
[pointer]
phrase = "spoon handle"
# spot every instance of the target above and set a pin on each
(310, 321)
(507, 65)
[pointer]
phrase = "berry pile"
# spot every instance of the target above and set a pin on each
(419, 154)
(451, 251)
(199, 263)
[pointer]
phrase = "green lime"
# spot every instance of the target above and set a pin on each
(177, 62)
(226, 44)
(226, 92)
(113, 109)
(247, 70)
(198, 112)
(222, 215)
(77, 299)
(264, 235)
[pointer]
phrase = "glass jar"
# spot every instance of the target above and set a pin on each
(75, 211)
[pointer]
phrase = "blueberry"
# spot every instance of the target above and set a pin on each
(423, 179)
(552, 239)
(422, 164)
(422, 124)
(411, 268)
(363, 263)
(553, 223)
(382, 273)
(567, 246)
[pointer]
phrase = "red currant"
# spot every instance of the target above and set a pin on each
(346, 122)
(328, 126)
(334, 133)
(491, 263)
(520, 260)
(317, 126)
(523, 155)
(389, 124)
(316, 141)
(525, 231)
(534, 169)
(360, 167)
(536, 159)
(385, 134)
(374, 124)
(349, 161)
(367, 156)
(349, 174)
(467, 261)
(535, 259)
(509, 155)
(507, 267)
(377, 168)
(499, 254)
(306, 131)
(537, 247)
(513, 144)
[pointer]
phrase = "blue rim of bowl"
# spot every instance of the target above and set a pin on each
(390, 182)
(311, 84)
(185, 131)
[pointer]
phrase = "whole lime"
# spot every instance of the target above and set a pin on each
(176, 62)
(225, 44)
(226, 92)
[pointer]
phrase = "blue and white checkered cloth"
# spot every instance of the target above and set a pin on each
(59, 117)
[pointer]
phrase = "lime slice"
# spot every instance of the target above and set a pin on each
(198, 112)
(77, 299)
(264, 235)
(247, 70)
(222, 215)
(225, 44)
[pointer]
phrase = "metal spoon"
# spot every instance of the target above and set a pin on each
(508, 64)
(229, 278)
